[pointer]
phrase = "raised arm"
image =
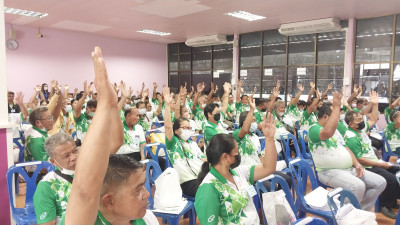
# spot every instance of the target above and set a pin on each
(239, 88)
(124, 96)
(314, 104)
(249, 119)
(20, 101)
(34, 96)
(330, 127)
(200, 88)
(169, 133)
(312, 90)
(353, 95)
(81, 101)
(330, 87)
(209, 98)
(57, 108)
(301, 89)
(159, 106)
(66, 88)
(268, 165)
(374, 100)
(344, 102)
(225, 97)
(93, 158)
(275, 93)
(155, 86)
(53, 86)
(394, 103)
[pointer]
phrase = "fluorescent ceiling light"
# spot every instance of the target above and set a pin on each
(23, 12)
(154, 32)
(245, 15)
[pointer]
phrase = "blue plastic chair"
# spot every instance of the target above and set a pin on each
(285, 141)
(236, 126)
(149, 132)
(160, 147)
(199, 137)
(310, 221)
(343, 195)
(301, 171)
(301, 134)
(158, 124)
(20, 160)
(26, 215)
(152, 172)
(386, 150)
(398, 218)
(275, 181)
(74, 135)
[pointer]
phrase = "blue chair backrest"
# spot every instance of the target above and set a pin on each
(262, 142)
(74, 135)
(310, 221)
(160, 147)
(301, 134)
(275, 181)
(259, 133)
(21, 149)
(285, 140)
(386, 150)
(236, 126)
(199, 137)
(301, 171)
(153, 170)
(343, 194)
(30, 181)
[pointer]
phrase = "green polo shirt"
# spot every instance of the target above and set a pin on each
(387, 113)
(342, 128)
(34, 145)
(393, 136)
(360, 144)
(212, 129)
(82, 125)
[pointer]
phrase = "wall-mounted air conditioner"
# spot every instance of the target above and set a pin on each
(206, 41)
(311, 27)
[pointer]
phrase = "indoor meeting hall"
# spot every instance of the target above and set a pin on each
(189, 112)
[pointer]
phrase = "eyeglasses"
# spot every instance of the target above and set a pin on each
(186, 128)
(48, 118)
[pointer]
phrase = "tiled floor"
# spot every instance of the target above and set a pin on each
(20, 201)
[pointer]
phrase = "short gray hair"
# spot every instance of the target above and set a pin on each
(36, 114)
(278, 103)
(56, 140)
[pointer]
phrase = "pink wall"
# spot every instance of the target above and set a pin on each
(66, 57)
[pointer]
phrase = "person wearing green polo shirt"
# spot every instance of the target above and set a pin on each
(52, 192)
(392, 132)
(83, 120)
(184, 154)
(231, 110)
(134, 139)
(107, 189)
(213, 115)
(394, 106)
(42, 121)
(293, 109)
(358, 142)
(199, 103)
(242, 101)
(335, 162)
(225, 193)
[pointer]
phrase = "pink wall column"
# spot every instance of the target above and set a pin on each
(4, 203)
(66, 56)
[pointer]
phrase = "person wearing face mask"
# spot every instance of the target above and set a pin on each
(242, 101)
(185, 156)
(225, 193)
(392, 107)
(292, 111)
(231, 111)
(199, 103)
(283, 127)
(392, 132)
(213, 115)
(52, 192)
(42, 121)
(83, 120)
(64, 121)
(359, 143)
(44, 92)
(309, 116)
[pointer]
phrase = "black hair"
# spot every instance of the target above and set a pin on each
(360, 101)
(139, 103)
(325, 109)
(177, 124)
(36, 114)
(261, 101)
(120, 169)
(43, 88)
(209, 109)
(78, 96)
(91, 104)
(44, 100)
(219, 144)
(73, 100)
(242, 118)
(278, 98)
(214, 96)
(127, 111)
(350, 117)
(243, 96)
(302, 103)
(11, 93)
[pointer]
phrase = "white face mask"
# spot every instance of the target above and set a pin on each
(43, 128)
(203, 105)
(68, 108)
(127, 106)
(354, 105)
(253, 127)
(341, 117)
(142, 111)
(218, 103)
(281, 113)
(186, 134)
(65, 171)
(364, 107)
(301, 110)
(136, 101)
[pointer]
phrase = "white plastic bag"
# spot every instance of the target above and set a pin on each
(168, 195)
(348, 215)
(276, 208)
(317, 199)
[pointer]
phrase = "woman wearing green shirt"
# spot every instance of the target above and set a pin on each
(392, 132)
(225, 193)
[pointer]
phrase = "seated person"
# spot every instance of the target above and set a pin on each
(83, 121)
(309, 116)
(52, 192)
(12, 106)
(335, 162)
(102, 193)
(358, 142)
(213, 114)
(394, 106)
(199, 103)
(242, 102)
(293, 109)
(134, 139)
(185, 156)
(392, 132)
(220, 198)
(283, 126)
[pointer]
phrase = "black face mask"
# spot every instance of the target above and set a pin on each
(217, 116)
(361, 125)
(237, 162)
(263, 110)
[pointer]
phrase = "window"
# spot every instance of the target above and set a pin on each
(301, 49)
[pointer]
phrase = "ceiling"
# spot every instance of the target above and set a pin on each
(186, 18)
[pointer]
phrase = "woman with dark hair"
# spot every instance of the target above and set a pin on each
(44, 91)
(185, 156)
(225, 193)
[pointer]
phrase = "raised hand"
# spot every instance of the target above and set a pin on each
(90, 88)
(312, 85)
(200, 87)
(19, 98)
(252, 104)
(275, 92)
(318, 93)
(75, 91)
(53, 83)
(216, 88)
(337, 98)
(124, 92)
(167, 96)
(330, 86)
(268, 126)
(300, 87)
(278, 84)
(359, 89)
(142, 85)
(105, 94)
(227, 87)
(239, 83)
(145, 93)
(85, 87)
(38, 88)
(373, 97)
(155, 85)
(66, 87)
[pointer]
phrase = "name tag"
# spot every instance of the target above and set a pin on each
(13, 110)
(71, 127)
(251, 191)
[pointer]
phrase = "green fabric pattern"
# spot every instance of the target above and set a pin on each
(34, 146)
